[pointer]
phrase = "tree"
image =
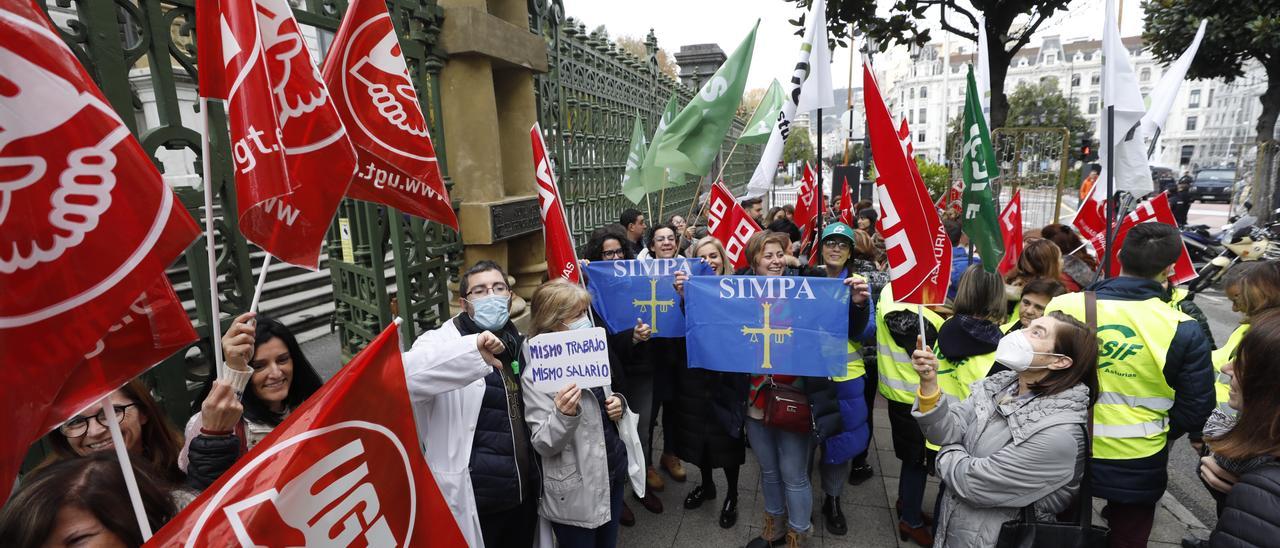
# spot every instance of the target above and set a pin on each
(798, 147)
(1238, 30)
(1009, 27)
(1042, 105)
(750, 100)
(635, 46)
(937, 177)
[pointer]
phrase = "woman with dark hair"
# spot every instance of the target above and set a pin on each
(266, 359)
(608, 243)
(967, 340)
(1018, 439)
(1040, 259)
(1077, 265)
(147, 433)
(1243, 465)
(664, 355)
(866, 219)
(83, 501)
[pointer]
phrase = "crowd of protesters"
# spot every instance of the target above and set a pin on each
(1006, 393)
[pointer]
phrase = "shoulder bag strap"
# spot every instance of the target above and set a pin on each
(1086, 481)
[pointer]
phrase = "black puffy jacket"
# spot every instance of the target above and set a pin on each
(1251, 514)
(209, 457)
(711, 408)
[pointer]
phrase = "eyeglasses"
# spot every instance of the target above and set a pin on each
(79, 426)
(612, 253)
(836, 244)
(498, 289)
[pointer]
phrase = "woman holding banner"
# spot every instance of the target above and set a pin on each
(584, 459)
(1018, 440)
(783, 454)
(710, 407)
(667, 355)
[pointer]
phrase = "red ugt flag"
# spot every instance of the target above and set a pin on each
(293, 158)
(846, 204)
(562, 259)
(369, 80)
(86, 223)
(1091, 219)
(344, 469)
(917, 246)
(1011, 229)
(729, 223)
(1153, 210)
(807, 202)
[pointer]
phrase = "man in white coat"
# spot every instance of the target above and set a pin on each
(463, 379)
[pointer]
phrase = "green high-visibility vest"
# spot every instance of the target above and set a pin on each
(1222, 381)
(898, 380)
(955, 376)
(1131, 418)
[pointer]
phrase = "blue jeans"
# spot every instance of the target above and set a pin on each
(784, 472)
(604, 536)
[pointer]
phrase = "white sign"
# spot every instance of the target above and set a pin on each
(580, 356)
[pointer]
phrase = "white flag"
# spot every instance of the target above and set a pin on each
(983, 73)
(762, 179)
(1120, 91)
(817, 92)
(1166, 91)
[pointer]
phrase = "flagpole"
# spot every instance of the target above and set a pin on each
(848, 100)
(215, 315)
(126, 467)
(1111, 176)
(262, 281)
(833, 187)
(648, 202)
(662, 199)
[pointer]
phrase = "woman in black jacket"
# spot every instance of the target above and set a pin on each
(1243, 464)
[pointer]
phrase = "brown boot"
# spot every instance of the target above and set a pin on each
(654, 480)
(773, 533)
(673, 466)
(796, 539)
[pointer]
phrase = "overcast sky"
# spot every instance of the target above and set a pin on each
(726, 22)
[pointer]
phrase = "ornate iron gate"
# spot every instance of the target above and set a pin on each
(142, 54)
(1033, 159)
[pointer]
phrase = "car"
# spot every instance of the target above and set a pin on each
(1162, 178)
(1213, 184)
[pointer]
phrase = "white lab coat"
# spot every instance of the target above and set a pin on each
(445, 375)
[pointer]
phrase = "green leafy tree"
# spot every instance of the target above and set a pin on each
(1042, 105)
(1010, 25)
(1238, 30)
(798, 147)
(937, 177)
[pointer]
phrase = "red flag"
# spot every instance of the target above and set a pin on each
(1011, 228)
(950, 199)
(562, 259)
(153, 328)
(1154, 210)
(729, 223)
(917, 246)
(293, 158)
(846, 204)
(345, 468)
(366, 72)
(1091, 219)
(86, 223)
(807, 202)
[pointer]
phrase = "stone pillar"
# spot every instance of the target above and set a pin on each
(487, 99)
(698, 62)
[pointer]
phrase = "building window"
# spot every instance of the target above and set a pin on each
(1191, 123)
(1208, 101)
(1095, 79)
(1093, 105)
(920, 137)
(1075, 80)
(924, 92)
(1144, 75)
(1194, 102)
(923, 118)
(912, 93)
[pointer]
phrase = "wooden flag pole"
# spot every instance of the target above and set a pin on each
(215, 315)
(698, 193)
(662, 199)
(126, 467)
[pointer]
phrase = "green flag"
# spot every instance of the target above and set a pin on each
(692, 141)
(653, 177)
(632, 183)
(765, 118)
(980, 218)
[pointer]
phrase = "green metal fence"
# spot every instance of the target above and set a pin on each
(587, 103)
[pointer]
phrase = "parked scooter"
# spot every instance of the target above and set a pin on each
(1201, 245)
(1242, 241)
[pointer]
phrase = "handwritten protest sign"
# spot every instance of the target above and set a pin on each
(580, 356)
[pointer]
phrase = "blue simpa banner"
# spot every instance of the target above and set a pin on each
(781, 325)
(622, 291)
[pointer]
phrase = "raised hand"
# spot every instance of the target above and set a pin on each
(926, 365)
(237, 342)
(642, 331)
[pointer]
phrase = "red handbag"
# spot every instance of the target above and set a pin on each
(786, 407)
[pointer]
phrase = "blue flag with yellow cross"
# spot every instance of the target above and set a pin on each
(624, 291)
(773, 325)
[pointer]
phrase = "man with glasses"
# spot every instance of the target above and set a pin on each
(464, 380)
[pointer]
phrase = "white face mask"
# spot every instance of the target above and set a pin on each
(583, 322)
(1016, 353)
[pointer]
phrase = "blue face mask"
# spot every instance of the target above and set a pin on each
(583, 322)
(491, 312)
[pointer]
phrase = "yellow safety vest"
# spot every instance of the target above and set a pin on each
(1222, 381)
(1131, 418)
(898, 380)
(955, 376)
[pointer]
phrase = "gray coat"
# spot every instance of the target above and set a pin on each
(575, 469)
(996, 459)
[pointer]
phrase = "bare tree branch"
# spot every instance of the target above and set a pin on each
(972, 20)
(1026, 35)
(958, 32)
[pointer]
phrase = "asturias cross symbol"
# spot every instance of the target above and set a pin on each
(653, 304)
(779, 335)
